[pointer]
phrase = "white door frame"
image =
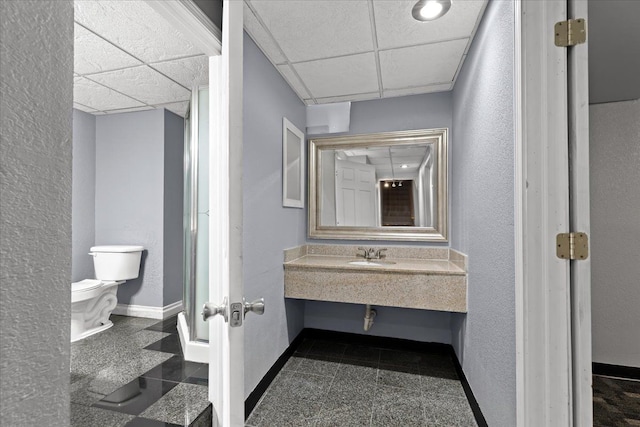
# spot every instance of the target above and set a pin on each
(226, 348)
(578, 67)
(545, 372)
(225, 51)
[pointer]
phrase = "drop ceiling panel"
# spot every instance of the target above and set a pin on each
(293, 80)
(93, 54)
(421, 65)
(135, 27)
(310, 34)
(396, 27)
(353, 74)
(188, 72)
(143, 83)
(307, 30)
(93, 95)
(263, 39)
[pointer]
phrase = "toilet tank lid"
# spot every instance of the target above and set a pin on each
(117, 248)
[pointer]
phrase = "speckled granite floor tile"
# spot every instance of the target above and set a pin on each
(441, 386)
(169, 344)
(167, 325)
(104, 368)
(327, 348)
(346, 404)
(399, 376)
(200, 377)
(397, 407)
(85, 416)
(400, 358)
(371, 387)
(362, 353)
(181, 405)
(146, 422)
(318, 365)
(135, 396)
(174, 368)
(446, 410)
(122, 371)
(357, 372)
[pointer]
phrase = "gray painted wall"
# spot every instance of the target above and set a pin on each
(615, 232)
(385, 115)
(416, 325)
(36, 66)
(173, 206)
(130, 198)
(84, 195)
(482, 209)
(268, 227)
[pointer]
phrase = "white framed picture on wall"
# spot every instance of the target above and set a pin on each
(292, 165)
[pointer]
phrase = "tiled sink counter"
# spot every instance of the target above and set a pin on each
(422, 278)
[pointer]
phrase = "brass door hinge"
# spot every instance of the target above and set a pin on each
(572, 246)
(570, 32)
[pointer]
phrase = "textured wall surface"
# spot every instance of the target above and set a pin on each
(172, 218)
(482, 209)
(84, 195)
(615, 232)
(426, 111)
(130, 196)
(268, 227)
(36, 69)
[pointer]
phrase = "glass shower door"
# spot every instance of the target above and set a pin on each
(196, 213)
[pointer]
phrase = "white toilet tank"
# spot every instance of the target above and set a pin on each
(116, 262)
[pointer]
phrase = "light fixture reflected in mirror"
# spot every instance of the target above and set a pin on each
(429, 10)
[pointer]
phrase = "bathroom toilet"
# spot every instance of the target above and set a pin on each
(93, 300)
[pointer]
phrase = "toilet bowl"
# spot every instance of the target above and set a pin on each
(93, 300)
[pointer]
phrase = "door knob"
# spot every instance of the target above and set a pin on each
(209, 310)
(256, 306)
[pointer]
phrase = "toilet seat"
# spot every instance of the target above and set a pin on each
(85, 285)
(89, 284)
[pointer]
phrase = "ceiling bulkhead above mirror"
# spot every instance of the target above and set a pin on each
(382, 186)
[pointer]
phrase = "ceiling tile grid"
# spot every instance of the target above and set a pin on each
(143, 83)
(187, 72)
(421, 65)
(346, 75)
(93, 54)
(99, 97)
(128, 58)
(397, 28)
(308, 29)
(334, 51)
(135, 27)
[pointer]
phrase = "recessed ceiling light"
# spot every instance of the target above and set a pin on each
(429, 10)
(386, 184)
(404, 166)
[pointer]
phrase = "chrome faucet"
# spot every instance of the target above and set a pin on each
(371, 253)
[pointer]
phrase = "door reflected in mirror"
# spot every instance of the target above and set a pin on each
(386, 186)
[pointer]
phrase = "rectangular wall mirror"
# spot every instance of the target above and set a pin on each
(383, 186)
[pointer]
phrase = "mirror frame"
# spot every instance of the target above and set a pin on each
(438, 233)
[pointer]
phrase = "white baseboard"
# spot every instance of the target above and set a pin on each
(149, 312)
(194, 351)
